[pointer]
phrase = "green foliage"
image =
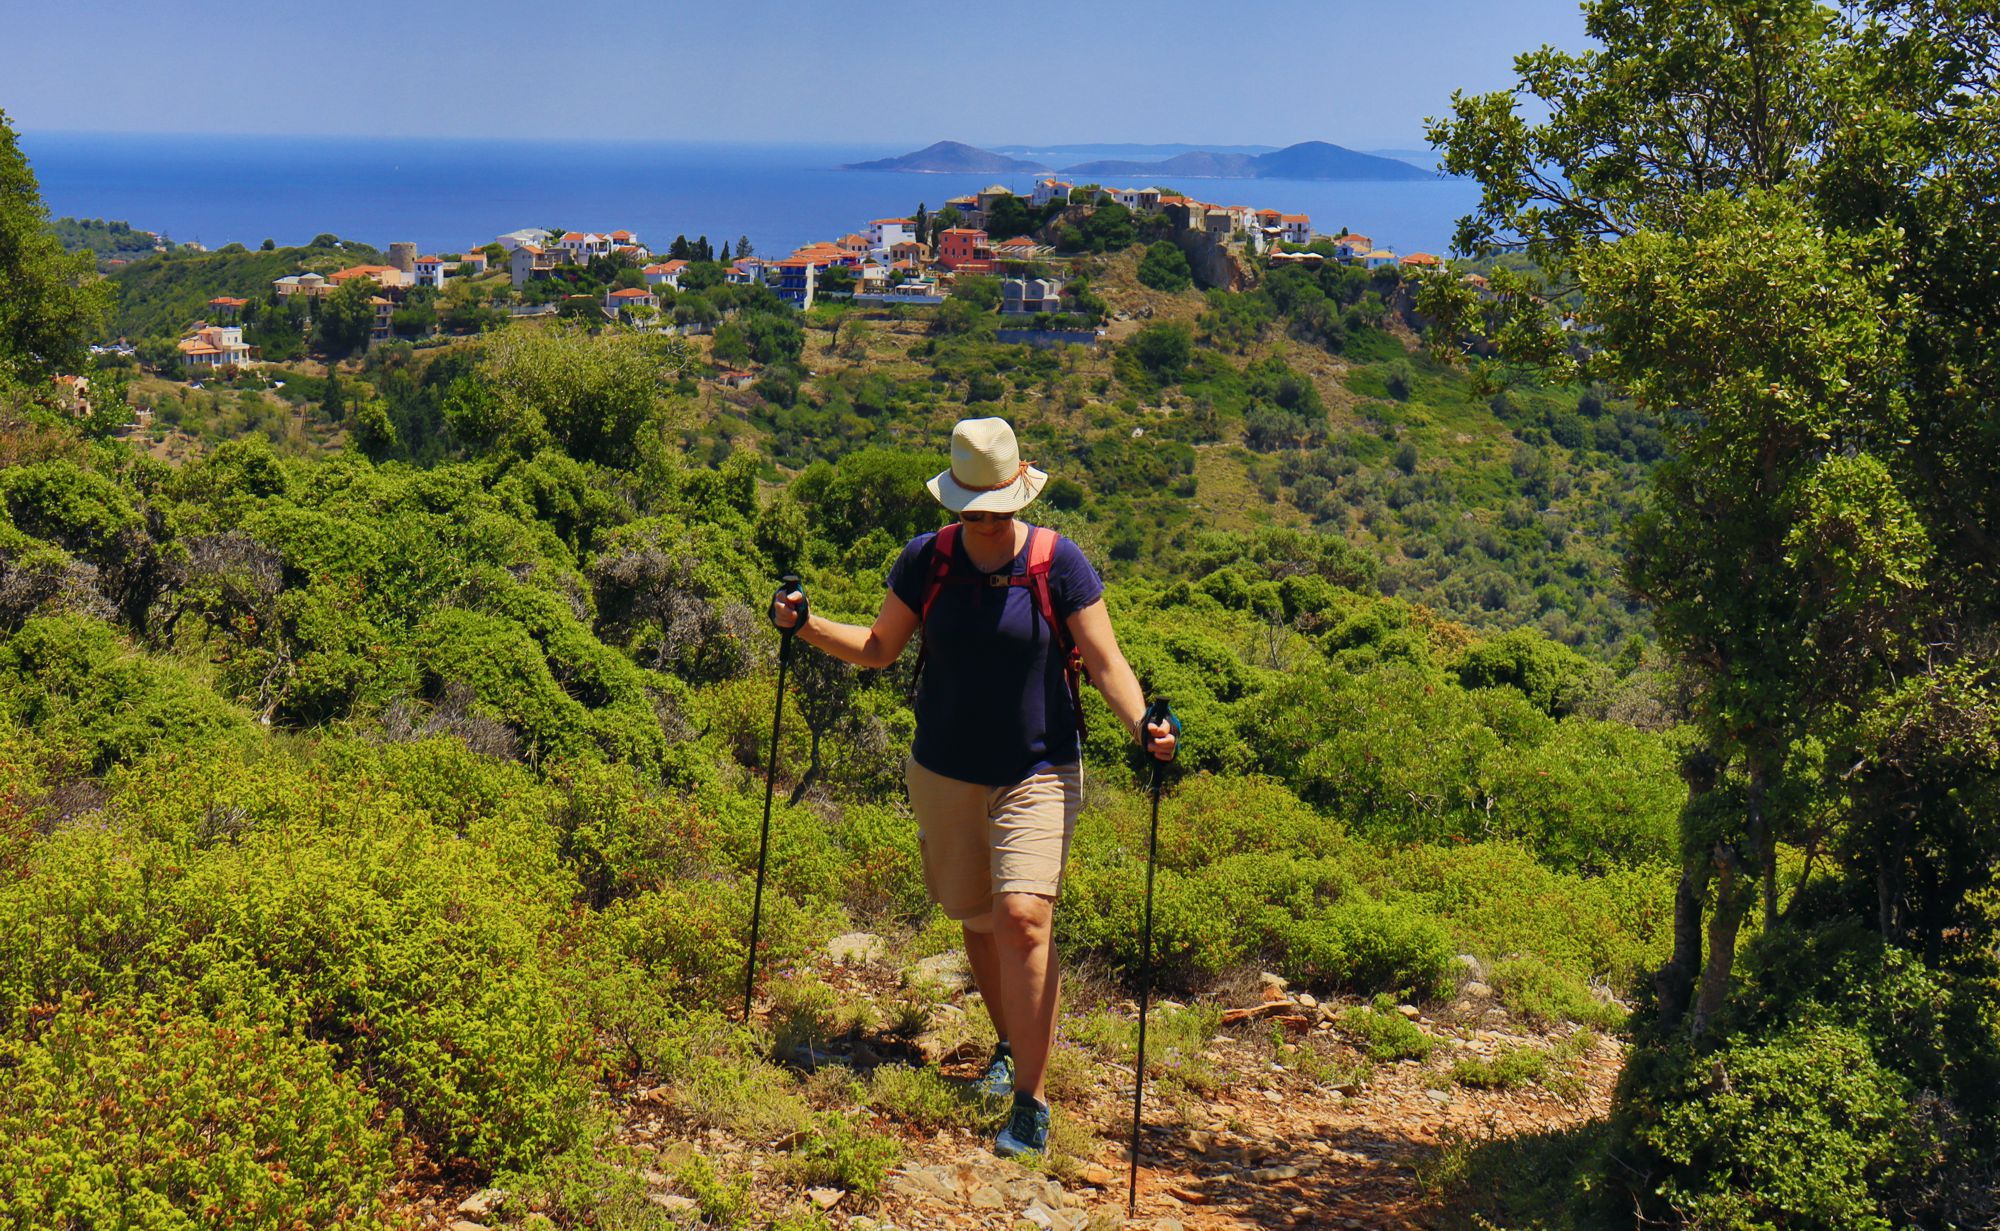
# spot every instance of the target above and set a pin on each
(1383, 1034)
(1165, 268)
(97, 704)
(124, 1118)
(600, 397)
(1538, 991)
(1162, 352)
(925, 1099)
(53, 306)
(1359, 943)
(1804, 1129)
(1543, 671)
(1514, 1066)
(345, 319)
(840, 1153)
(105, 239)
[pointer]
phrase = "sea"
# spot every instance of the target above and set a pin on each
(448, 195)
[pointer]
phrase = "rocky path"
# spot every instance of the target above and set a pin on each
(1280, 1121)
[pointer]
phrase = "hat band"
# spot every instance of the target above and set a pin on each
(1018, 475)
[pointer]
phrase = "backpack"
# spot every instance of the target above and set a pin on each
(1041, 554)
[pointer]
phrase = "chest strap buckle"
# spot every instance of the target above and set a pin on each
(999, 581)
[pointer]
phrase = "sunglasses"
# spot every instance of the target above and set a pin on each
(974, 519)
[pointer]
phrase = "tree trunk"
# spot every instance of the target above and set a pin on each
(1675, 981)
(1732, 902)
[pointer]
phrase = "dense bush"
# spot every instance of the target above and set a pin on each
(126, 1118)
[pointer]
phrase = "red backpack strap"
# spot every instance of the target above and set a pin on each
(1042, 546)
(943, 548)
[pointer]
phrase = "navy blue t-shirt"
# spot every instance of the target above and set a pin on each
(994, 705)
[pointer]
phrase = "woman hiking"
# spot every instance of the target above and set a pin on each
(994, 774)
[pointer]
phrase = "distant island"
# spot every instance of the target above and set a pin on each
(949, 157)
(1308, 160)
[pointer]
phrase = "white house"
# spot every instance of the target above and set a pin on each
(745, 271)
(1048, 190)
(526, 235)
(631, 298)
(214, 346)
(1378, 258)
(583, 245)
(1298, 228)
(313, 286)
(886, 233)
(429, 271)
(668, 272)
(528, 260)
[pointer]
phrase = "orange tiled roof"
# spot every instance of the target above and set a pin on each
(631, 292)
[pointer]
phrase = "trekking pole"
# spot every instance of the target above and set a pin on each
(1159, 711)
(790, 584)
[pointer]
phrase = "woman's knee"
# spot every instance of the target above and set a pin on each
(1022, 920)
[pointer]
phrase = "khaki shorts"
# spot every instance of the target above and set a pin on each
(982, 840)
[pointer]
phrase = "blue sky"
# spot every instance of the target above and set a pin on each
(839, 71)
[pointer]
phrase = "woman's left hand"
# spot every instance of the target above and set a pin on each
(1160, 740)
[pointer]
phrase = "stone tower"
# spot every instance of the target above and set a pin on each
(403, 256)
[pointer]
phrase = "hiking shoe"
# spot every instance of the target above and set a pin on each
(998, 1079)
(1027, 1130)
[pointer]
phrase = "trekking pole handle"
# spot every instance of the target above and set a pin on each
(1159, 711)
(789, 585)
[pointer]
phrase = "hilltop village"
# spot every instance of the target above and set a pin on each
(1028, 242)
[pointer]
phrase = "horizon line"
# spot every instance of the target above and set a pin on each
(25, 130)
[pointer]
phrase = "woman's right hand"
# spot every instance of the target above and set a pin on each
(788, 608)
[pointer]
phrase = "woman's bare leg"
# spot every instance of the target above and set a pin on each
(1030, 983)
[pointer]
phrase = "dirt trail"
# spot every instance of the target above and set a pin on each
(1289, 1125)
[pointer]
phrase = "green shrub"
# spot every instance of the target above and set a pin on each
(1365, 945)
(722, 1202)
(1546, 995)
(1165, 268)
(1177, 1040)
(1384, 1034)
(595, 1183)
(93, 701)
(1804, 1130)
(689, 936)
(719, 1078)
(334, 909)
(116, 1118)
(1552, 1068)
(924, 1099)
(840, 1153)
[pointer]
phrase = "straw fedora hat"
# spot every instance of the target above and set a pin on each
(987, 474)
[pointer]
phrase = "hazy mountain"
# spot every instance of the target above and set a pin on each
(1423, 160)
(1080, 150)
(1308, 160)
(949, 156)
